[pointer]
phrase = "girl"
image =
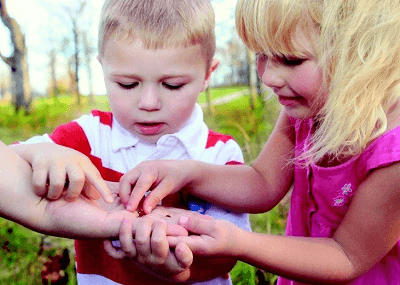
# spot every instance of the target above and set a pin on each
(335, 68)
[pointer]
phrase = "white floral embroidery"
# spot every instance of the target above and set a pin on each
(346, 189)
(339, 201)
(344, 193)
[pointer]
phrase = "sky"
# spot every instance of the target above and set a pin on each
(43, 22)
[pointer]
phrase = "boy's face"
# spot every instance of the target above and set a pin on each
(153, 92)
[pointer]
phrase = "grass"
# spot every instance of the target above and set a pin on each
(20, 247)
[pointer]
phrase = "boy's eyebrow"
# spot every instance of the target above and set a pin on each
(162, 77)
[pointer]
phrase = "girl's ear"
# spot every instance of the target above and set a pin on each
(213, 66)
(98, 58)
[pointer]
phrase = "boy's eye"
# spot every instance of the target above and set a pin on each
(172, 86)
(128, 86)
(292, 61)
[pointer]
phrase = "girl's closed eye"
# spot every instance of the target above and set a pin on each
(291, 61)
(172, 86)
(128, 86)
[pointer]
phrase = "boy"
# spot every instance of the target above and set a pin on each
(157, 56)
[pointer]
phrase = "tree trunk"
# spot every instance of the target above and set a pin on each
(76, 41)
(17, 62)
(251, 59)
(208, 101)
(88, 51)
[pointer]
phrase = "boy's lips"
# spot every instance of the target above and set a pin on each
(150, 128)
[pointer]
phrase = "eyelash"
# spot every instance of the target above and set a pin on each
(173, 87)
(128, 86)
(291, 61)
(133, 85)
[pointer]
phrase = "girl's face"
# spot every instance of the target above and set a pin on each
(296, 81)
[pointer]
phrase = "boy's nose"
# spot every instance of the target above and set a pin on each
(149, 100)
(271, 75)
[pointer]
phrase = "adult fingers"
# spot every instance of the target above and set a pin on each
(126, 239)
(112, 251)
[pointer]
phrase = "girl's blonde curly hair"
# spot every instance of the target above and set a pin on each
(357, 44)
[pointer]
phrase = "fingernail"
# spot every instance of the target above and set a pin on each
(148, 209)
(183, 220)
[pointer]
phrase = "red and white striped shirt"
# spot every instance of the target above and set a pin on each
(114, 151)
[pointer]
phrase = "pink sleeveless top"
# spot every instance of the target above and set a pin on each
(322, 195)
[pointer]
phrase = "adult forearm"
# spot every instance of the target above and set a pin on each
(81, 219)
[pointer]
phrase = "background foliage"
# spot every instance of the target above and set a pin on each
(26, 257)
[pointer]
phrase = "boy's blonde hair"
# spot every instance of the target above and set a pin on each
(160, 23)
(358, 48)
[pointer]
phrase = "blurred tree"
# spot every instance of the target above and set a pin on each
(53, 77)
(75, 14)
(251, 61)
(65, 43)
(17, 62)
(5, 86)
(88, 51)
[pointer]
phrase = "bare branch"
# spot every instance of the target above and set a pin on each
(8, 60)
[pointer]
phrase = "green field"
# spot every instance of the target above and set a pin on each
(23, 254)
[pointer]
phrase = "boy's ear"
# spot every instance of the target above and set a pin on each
(213, 66)
(98, 58)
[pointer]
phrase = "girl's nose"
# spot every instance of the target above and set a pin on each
(271, 74)
(149, 100)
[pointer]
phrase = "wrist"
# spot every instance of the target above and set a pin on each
(239, 238)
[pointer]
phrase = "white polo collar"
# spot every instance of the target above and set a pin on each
(192, 136)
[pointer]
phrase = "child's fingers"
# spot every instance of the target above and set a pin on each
(112, 251)
(126, 238)
(176, 230)
(93, 177)
(142, 184)
(125, 186)
(142, 240)
(90, 192)
(195, 243)
(39, 180)
(76, 181)
(156, 195)
(159, 243)
(57, 176)
(183, 255)
(197, 225)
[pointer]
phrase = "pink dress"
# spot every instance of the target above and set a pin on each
(322, 195)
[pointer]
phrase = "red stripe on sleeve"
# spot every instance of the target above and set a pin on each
(234, 163)
(214, 137)
(106, 118)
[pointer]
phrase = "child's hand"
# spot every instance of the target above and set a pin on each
(57, 169)
(151, 248)
(211, 237)
(163, 177)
